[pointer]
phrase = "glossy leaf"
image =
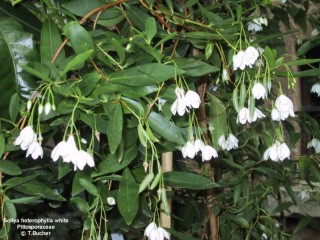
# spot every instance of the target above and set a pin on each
(188, 180)
(115, 125)
(165, 128)
(89, 187)
(50, 42)
(194, 67)
(151, 29)
(9, 167)
(144, 75)
(128, 198)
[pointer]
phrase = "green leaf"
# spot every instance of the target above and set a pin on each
(37, 188)
(115, 125)
(128, 198)
(88, 82)
(194, 67)
(17, 48)
(50, 42)
(239, 220)
(76, 61)
(16, 181)
(14, 107)
(150, 29)
(81, 204)
(24, 200)
(9, 209)
(281, 207)
(304, 165)
(217, 120)
(95, 122)
(2, 144)
(269, 172)
(63, 169)
(90, 187)
(188, 181)
(9, 167)
(165, 128)
(304, 221)
(134, 106)
(302, 62)
(76, 185)
(111, 163)
(180, 235)
(144, 75)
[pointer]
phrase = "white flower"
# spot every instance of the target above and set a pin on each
(188, 150)
(251, 56)
(277, 152)
(225, 75)
(304, 195)
(232, 142)
(111, 201)
(285, 107)
(208, 152)
(156, 233)
(83, 158)
(72, 151)
(283, 151)
(198, 145)
(252, 26)
(315, 143)
(239, 60)
(314, 32)
(264, 236)
(259, 91)
(192, 99)
(178, 106)
(25, 138)
(316, 89)
(256, 114)
(35, 150)
(60, 150)
(222, 142)
(275, 115)
(40, 109)
(243, 115)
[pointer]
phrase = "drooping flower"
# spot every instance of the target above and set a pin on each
(198, 145)
(227, 144)
(83, 158)
(192, 99)
(222, 141)
(152, 232)
(243, 115)
(188, 150)
(259, 91)
(179, 107)
(239, 61)
(35, 150)
(72, 151)
(256, 24)
(252, 55)
(285, 107)
(315, 143)
(225, 75)
(275, 115)
(277, 152)
(256, 115)
(208, 152)
(304, 195)
(316, 89)
(60, 150)
(26, 137)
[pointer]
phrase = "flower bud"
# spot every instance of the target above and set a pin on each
(40, 109)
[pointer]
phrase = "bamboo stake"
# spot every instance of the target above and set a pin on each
(166, 164)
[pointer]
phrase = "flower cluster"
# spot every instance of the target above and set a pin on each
(70, 153)
(28, 140)
(258, 91)
(244, 115)
(256, 24)
(283, 108)
(185, 101)
(245, 58)
(277, 152)
(156, 233)
(316, 89)
(227, 144)
(191, 148)
(315, 143)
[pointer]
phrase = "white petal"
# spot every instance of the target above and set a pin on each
(149, 228)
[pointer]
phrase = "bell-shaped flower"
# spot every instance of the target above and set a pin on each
(304, 195)
(35, 150)
(243, 115)
(208, 152)
(188, 150)
(164, 233)
(285, 107)
(72, 151)
(83, 158)
(179, 105)
(25, 138)
(198, 145)
(256, 114)
(232, 142)
(222, 141)
(47, 108)
(283, 151)
(271, 153)
(254, 27)
(315, 143)
(149, 228)
(60, 150)
(275, 115)
(239, 61)
(225, 75)
(259, 91)
(316, 89)
(192, 99)
(251, 56)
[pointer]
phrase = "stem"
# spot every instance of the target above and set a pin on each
(213, 220)
(166, 163)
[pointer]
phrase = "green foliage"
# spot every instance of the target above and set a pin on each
(114, 76)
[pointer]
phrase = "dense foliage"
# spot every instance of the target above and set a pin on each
(93, 92)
